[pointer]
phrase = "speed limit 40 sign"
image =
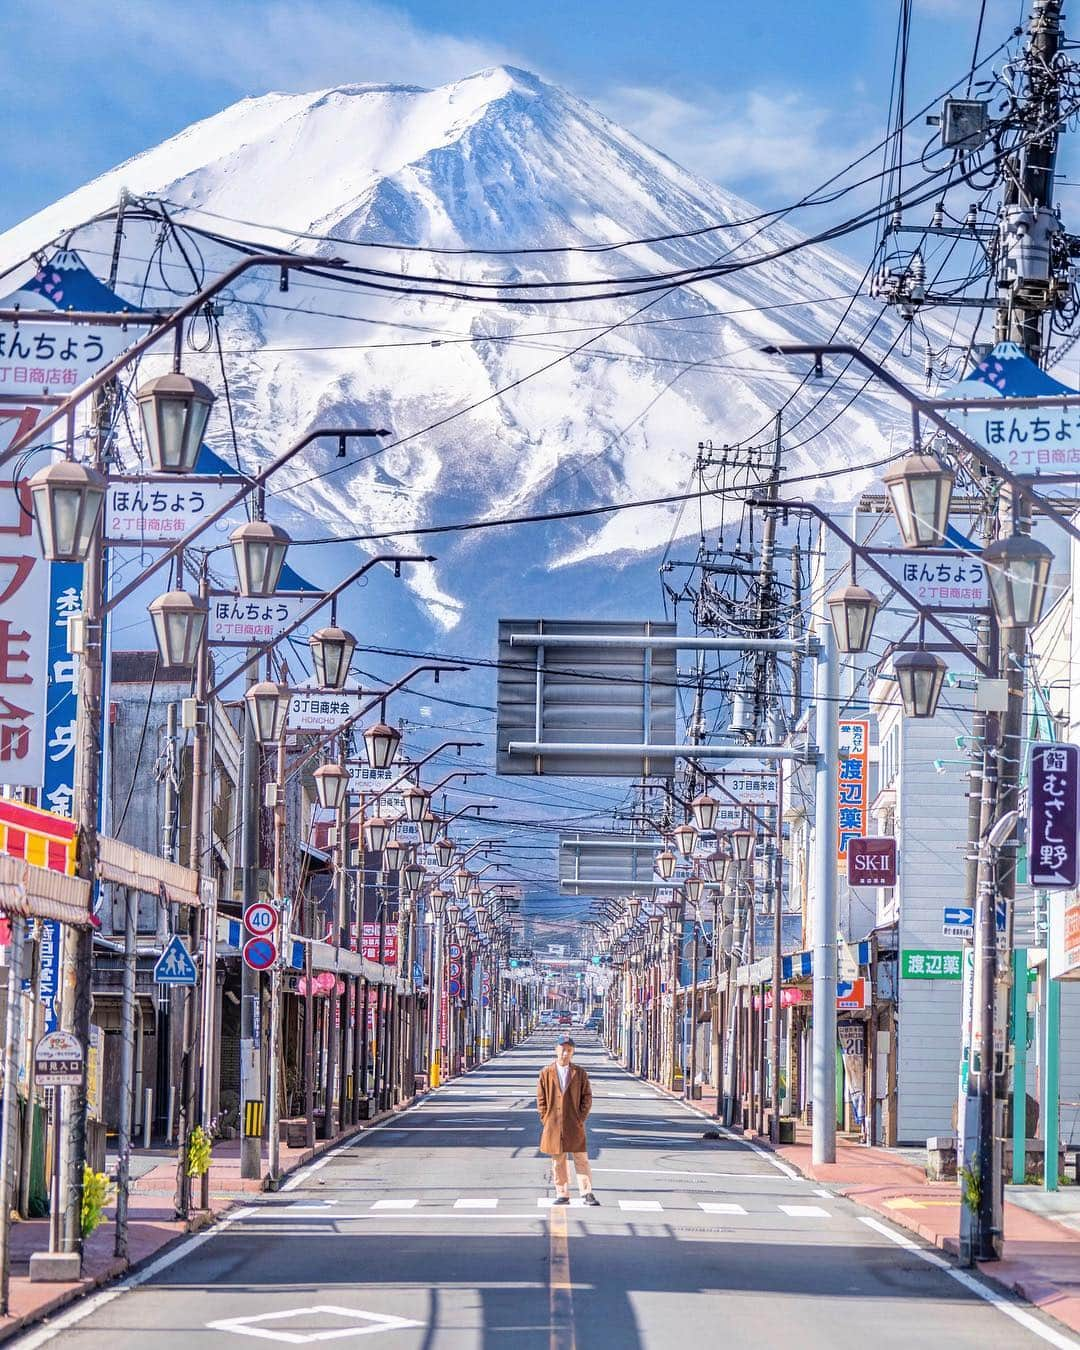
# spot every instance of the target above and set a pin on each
(260, 919)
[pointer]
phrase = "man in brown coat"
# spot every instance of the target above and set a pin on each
(564, 1100)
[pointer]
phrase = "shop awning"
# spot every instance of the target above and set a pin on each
(125, 865)
(800, 965)
(36, 892)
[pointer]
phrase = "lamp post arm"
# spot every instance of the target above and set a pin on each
(172, 321)
(256, 481)
(870, 561)
(317, 604)
(470, 806)
(446, 745)
(922, 407)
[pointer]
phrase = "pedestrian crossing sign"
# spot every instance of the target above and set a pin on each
(175, 965)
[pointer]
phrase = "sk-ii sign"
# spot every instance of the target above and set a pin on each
(1054, 815)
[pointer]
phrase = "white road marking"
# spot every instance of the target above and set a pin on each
(711, 1207)
(642, 1206)
(475, 1204)
(246, 1326)
(65, 1320)
(825, 1195)
(457, 1129)
(974, 1286)
(804, 1211)
(395, 1204)
(677, 1172)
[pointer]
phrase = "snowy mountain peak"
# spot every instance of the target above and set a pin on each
(529, 407)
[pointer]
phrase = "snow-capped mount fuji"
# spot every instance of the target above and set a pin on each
(497, 161)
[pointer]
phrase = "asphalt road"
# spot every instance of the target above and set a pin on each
(436, 1230)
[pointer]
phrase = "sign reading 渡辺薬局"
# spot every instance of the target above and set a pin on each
(853, 784)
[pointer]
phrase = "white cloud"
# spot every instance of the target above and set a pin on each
(752, 141)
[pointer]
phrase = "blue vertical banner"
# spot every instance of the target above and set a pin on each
(65, 600)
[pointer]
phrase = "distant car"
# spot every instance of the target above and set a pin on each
(565, 1020)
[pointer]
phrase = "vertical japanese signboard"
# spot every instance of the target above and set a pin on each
(24, 597)
(1054, 817)
(853, 784)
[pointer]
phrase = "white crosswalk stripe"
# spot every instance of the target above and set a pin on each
(650, 1206)
(805, 1211)
(475, 1204)
(719, 1207)
(395, 1204)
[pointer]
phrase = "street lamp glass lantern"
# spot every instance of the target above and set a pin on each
(462, 882)
(716, 865)
(920, 675)
(429, 827)
(444, 851)
(633, 907)
(453, 915)
(852, 611)
(742, 843)
(416, 801)
(438, 903)
(412, 878)
(268, 707)
(705, 809)
(376, 832)
(331, 786)
(66, 500)
(381, 745)
(920, 488)
(1018, 569)
(665, 864)
(685, 837)
(331, 655)
(693, 888)
(259, 550)
(174, 409)
(393, 855)
(179, 622)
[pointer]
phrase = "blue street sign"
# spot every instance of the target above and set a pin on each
(175, 965)
(958, 916)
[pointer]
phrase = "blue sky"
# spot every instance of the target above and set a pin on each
(759, 96)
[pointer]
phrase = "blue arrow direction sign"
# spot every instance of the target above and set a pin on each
(962, 916)
(175, 965)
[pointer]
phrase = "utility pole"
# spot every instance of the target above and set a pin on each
(1028, 230)
(250, 980)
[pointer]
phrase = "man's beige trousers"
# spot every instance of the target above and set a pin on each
(562, 1172)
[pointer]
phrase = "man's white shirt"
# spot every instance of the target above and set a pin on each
(563, 1070)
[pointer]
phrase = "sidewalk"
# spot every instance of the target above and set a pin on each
(151, 1222)
(1041, 1255)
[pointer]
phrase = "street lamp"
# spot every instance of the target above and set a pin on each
(259, 552)
(376, 831)
(1018, 568)
(705, 809)
(633, 907)
(416, 800)
(852, 612)
(381, 744)
(716, 865)
(174, 409)
(179, 622)
(693, 887)
(920, 488)
(453, 915)
(66, 499)
(331, 786)
(268, 707)
(462, 881)
(665, 864)
(412, 877)
(685, 837)
(331, 654)
(393, 855)
(920, 675)
(429, 828)
(742, 843)
(444, 851)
